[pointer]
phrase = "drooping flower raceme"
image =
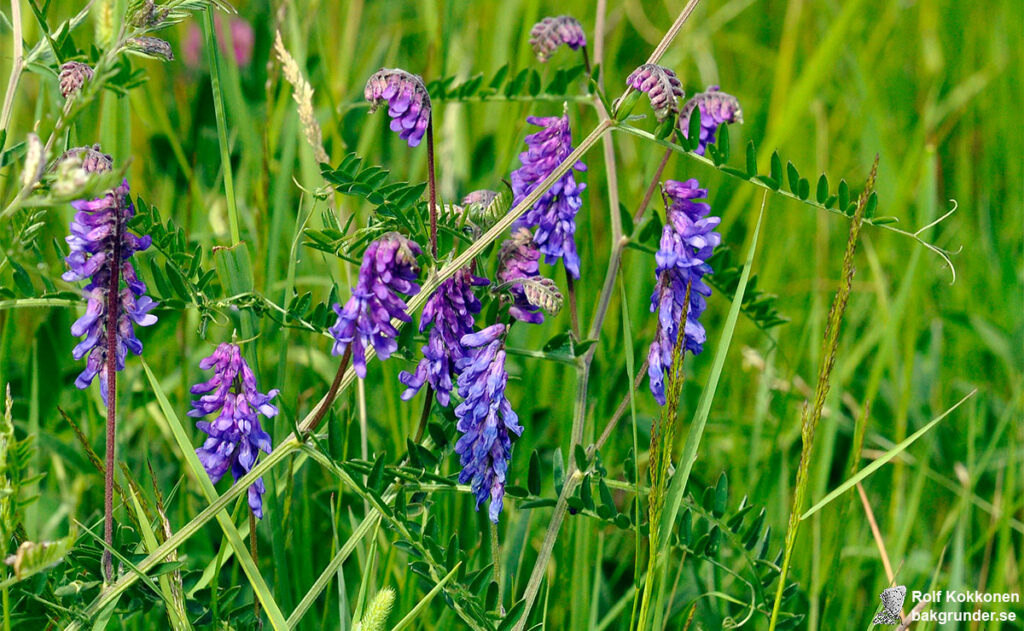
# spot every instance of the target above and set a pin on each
(100, 240)
(388, 269)
(661, 86)
(554, 214)
(485, 417)
(687, 242)
(551, 32)
(716, 108)
(407, 99)
(449, 313)
(236, 437)
(519, 258)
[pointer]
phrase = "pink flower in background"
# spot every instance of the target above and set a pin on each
(242, 39)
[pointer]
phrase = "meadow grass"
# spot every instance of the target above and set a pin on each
(222, 151)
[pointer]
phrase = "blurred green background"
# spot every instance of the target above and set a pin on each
(934, 88)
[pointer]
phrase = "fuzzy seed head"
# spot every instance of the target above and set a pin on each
(377, 612)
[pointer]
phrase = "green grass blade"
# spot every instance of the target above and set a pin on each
(884, 458)
(409, 617)
(149, 539)
(259, 586)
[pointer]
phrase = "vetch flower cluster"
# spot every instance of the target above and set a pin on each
(687, 242)
(551, 32)
(661, 86)
(99, 241)
(407, 99)
(485, 417)
(519, 258)
(235, 436)
(388, 269)
(716, 108)
(554, 214)
(449, 313)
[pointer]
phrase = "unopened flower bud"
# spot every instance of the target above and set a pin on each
(73, 75)
(151, 47)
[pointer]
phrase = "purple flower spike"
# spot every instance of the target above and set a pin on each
(519, 258)
(98, 231)
(388, 269)
(407, 99)
(236, 437)
(450, 313)
(554, 214)
(687, 242)
(661, 86)
(551, 32)
(716, 108)
(485, 417)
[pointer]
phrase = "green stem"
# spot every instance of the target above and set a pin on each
(222, 130)
(496, 558)
(17, 62)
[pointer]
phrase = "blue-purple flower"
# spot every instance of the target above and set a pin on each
(407, 99)
(661, 86)
(485, 417)
(716, 108)
(687, 242)
(236, 437)
(388, 269)
(449, 313)
(554, 214)
(99, 240)
(551, 32)
(519, 258)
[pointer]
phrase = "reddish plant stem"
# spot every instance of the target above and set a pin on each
(432, 187)
(425, 415)
(638, 215)
(113, 287)
(328, 399)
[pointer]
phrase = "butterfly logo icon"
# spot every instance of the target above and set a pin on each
(892, 605)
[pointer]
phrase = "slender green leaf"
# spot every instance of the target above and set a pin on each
(884, 458)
